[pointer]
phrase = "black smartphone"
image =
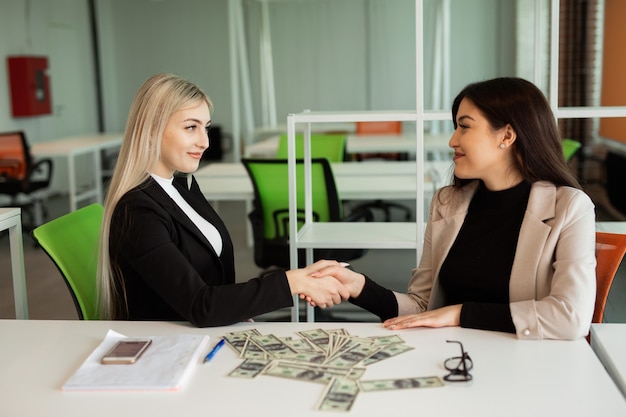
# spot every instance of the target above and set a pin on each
(126, 351)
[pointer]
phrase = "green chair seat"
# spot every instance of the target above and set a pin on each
(570, 147)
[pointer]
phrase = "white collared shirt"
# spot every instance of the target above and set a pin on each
(208, 230)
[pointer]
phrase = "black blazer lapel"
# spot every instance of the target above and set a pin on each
(154, 190)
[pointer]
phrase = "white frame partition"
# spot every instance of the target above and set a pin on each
(373, 235)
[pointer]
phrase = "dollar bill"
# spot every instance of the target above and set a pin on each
(250, 368)
(317, 336)
(272, 345)
(339, 342)
(302, 345)
(351, 357)
(311, 372)
(307, 357)
(400, 383)
(237, 340)
(302, 373)
(339, 395)
(252, 351)
(356, 372)
(386, 352)
(387, 340)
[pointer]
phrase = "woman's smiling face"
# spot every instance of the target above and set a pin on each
(480, 151)
(185, 138)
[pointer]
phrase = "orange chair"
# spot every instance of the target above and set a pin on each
(21, 176)
(380, 128)
(377, 128)
(610, 249)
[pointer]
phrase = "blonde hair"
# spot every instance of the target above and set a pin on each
(157, 99)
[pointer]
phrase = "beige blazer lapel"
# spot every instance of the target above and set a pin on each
(531, 242)
(445, 227)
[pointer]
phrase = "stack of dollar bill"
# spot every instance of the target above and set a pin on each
(331, 357)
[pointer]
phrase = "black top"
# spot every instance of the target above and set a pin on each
(170, 270)
(476, 271)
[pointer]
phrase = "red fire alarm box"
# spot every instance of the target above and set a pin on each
(30, 85)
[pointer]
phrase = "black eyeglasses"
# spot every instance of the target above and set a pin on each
(459, 366)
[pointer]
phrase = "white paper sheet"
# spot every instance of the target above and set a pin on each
(163, 366)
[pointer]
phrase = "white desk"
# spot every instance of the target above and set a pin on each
(511, 377)
(435, 143)
(72, 147)
(11, 220)
(402, 187)
(608, 340)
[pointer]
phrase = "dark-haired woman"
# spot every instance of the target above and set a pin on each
(510, 244)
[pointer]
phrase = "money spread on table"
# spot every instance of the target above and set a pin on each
(330, 357)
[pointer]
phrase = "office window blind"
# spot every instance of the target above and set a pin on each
(579, 63)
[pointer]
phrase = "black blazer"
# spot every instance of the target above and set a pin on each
(170, 270)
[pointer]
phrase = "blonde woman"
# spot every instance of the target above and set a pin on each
(165, 254)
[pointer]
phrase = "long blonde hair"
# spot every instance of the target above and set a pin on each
(157, 99)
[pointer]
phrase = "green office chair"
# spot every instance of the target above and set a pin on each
(270, 216)
(71, 241)
(329, 146)
(570, 147)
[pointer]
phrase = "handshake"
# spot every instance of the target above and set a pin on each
(325, 283)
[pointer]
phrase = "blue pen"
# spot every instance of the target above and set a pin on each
(213, 351)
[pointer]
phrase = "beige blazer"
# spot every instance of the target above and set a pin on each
(553, 285)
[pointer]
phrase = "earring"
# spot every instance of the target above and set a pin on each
(502, 146)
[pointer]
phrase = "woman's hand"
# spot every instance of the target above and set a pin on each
(353, 281)
(323, 291)
(441, 317)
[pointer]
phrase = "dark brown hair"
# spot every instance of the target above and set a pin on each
(519, 103)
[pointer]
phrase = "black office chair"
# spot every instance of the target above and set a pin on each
(20, 176)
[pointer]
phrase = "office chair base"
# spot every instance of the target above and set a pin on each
(386, 207)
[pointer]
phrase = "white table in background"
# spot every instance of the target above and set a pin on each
(72, 147)
(355, 144)
(511, 377)
(11, 220)
(355, 180)
(608, 340)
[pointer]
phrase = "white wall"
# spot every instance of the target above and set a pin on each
(58, 29)
(142, 37)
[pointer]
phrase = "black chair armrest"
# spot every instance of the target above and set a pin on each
(43, 168)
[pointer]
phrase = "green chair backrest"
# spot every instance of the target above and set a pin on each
(570, 147)
(72, 241)
(329, 146)
(270, 178)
